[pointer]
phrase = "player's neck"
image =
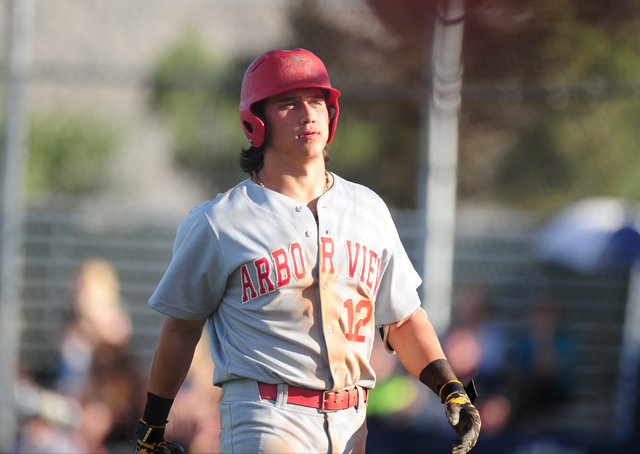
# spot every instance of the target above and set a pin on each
(302, 183)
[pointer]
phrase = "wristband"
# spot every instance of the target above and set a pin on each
(157, 410)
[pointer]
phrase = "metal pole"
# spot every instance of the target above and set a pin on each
(15, 132)
(439, 145)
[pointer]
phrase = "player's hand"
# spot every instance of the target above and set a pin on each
(151, 440)
(465, 420)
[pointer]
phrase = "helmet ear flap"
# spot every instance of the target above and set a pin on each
(257, 133)
(332, 112)
(253, 124)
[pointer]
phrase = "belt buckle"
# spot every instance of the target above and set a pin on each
(324, 400)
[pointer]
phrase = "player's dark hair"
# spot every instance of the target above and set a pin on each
(252, 158)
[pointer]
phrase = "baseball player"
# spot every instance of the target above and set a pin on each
(294, 268)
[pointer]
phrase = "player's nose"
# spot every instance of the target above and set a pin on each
(307, 113)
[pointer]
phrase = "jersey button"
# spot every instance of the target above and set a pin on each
(308, 233)
(329, 329)
(299, 208)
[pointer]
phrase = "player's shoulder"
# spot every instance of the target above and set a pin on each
(228, 200)
(355, 188)
(357, 193)
(223, 205)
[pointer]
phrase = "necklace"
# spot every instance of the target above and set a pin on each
(255, 177)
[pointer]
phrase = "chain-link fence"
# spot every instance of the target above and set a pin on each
(132, 120)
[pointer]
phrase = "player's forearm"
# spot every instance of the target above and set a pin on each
(172, 359)
(415, 342)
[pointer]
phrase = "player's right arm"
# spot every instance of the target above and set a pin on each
(169, 368)
(172, 359)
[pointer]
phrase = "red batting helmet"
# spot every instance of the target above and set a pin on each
(276, 72)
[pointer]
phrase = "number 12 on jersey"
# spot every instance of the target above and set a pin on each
(353, 331)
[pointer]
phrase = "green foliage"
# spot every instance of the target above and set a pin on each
(197, 93)
(579, 138)
(375, 145)
(68, 153)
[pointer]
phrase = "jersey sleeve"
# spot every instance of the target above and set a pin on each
(397, 295)
(193, 285)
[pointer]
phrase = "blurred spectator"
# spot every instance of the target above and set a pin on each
(475, 347)
(97, 375)
(545, 364)
(105, 379)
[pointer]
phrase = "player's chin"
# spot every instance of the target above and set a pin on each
(312, 149)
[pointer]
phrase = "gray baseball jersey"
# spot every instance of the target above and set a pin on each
(290, 300)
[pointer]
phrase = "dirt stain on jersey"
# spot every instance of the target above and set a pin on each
(345, 361)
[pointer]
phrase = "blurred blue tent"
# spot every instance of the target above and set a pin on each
(591, 235)
(599, 235)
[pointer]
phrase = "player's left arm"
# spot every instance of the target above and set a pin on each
(418, 348)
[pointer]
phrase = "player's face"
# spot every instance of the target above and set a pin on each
(298, 123)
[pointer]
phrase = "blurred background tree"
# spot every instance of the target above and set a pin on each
(557, 119)
(68, 152)
(197, 93)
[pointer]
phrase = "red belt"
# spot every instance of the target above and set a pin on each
(324, 400)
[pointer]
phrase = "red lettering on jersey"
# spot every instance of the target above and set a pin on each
(297, 259)
(353, 258)
(364, 263)
(247, 285)
(353, 329)
(283, 272)
(263, 268)
(326, 254)
(371, 272)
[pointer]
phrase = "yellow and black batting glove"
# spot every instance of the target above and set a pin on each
(151, 440)
(462, 415)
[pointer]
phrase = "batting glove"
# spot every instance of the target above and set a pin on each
(151, 440)
(463, 417)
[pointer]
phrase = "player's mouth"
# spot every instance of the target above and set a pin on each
(308, 135)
